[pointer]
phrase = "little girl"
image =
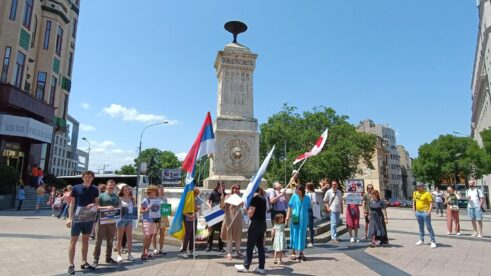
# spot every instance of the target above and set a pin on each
(149, 205)
(279, 237)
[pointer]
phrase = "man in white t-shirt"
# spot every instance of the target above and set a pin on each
(475, 200)
(438, 198)
(333, 201)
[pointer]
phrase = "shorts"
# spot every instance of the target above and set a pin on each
(149, 228)
(39, 200)
(124, 222)
(81, 227)
(475, 213)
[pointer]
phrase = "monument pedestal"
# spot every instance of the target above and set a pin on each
(228, 181)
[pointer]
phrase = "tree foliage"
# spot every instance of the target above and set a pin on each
(344, 150)
(449, 157)
(156, 161)
(127, 170)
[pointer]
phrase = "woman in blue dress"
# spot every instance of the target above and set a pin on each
(298, 216)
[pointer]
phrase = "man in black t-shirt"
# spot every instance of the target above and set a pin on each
(215, 198)
(255, 233)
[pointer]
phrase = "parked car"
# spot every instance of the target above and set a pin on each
(394, 203)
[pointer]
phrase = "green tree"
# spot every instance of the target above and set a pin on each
(156, 161)
(344, 150)
(127, 169)
(449, 157)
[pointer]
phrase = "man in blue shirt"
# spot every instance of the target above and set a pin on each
(83, 196)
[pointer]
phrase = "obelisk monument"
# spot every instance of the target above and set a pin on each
(236, 159)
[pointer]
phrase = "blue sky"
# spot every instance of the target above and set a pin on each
(405, 63)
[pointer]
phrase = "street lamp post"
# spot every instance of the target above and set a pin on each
(138, 169)
(88, 156)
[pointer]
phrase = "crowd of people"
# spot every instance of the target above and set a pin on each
(296, 211)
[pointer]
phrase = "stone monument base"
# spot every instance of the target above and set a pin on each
(228, 181)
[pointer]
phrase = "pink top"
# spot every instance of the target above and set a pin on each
(67, 198)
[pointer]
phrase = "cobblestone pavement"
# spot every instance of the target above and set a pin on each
(36, 244)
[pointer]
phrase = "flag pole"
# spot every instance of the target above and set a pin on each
(298, 172)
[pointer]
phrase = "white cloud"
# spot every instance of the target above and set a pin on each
(181, 156)
(131, 114)
(105, 155)
(84, 127)
(85, 105)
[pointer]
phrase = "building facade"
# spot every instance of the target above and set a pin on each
(37, 48)
(379, 175)
(394, 186)
(408, 178)
(481, 94)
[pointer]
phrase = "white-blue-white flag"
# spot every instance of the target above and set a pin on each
(256, 181)
(214, 215)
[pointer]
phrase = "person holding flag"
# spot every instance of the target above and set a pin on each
(255, 204)
(203, 145)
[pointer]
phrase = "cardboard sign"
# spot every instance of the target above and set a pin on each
(154, 208)
(110, 216)
(234, 200)
(83, 214)
(353, 198)
(355, 186)
(165, 210)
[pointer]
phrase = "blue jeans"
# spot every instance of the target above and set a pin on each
(334, 224)
(424, 218)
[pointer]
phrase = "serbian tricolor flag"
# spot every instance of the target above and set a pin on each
(203, 145)
(315, 150)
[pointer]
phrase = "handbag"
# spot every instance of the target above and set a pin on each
(295, 219)
(454, 207)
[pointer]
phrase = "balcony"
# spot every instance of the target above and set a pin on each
(18, 102)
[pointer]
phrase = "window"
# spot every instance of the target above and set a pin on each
(41, 85)
(52, 93)
(70, 64)
(74, 28)
(59, 40)
(47, 34)
(6, 63)
(65, 106)
(13, 10)
(19, 69)
(26, 21)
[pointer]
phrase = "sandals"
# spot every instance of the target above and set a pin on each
(87, 266)
(293, 257)
(162, 252)
(302, 258)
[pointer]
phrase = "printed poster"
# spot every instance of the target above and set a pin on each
(154, 208)
(355, 186)
(110, 216)
(353, 198)
(84, 214)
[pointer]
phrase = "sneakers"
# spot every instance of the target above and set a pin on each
(458, 233)
(242, 268)
(420, 242)
(433, 244)
(87, 266)
(71, 270)
(94, 264)
(185, 255)
(448, 233)
(119, 259)
(155, 252)
(111, 261)
(310, 245)
(479, 236)
(130, 257)
(352, 240)
(474, 235)
(259, 270)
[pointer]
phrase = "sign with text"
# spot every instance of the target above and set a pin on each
(171, 176)
(165, 210)
(110, 216)
(353, 198)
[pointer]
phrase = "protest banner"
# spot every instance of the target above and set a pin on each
(84, 214)
(353, 198)
(355, 186)
(109, 216)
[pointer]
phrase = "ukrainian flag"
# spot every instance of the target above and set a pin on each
(203, 145)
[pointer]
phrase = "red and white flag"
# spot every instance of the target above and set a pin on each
(315, 150)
